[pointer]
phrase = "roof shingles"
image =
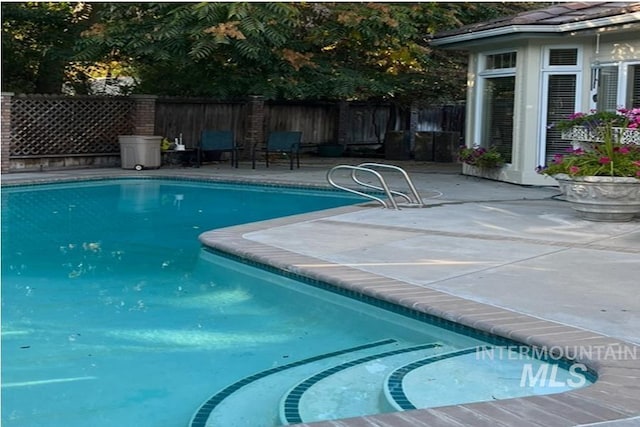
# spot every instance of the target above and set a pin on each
(552, 16)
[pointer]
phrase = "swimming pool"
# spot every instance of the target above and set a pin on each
(126, 320)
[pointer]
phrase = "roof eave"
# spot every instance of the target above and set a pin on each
(541, 29)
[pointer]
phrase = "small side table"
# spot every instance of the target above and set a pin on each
(175, 158)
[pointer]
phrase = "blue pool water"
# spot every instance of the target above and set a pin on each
(113, 315)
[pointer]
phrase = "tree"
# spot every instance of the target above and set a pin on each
(289, 50)
(309, 50)
(38, 42)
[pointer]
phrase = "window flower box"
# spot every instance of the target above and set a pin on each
(583, 133)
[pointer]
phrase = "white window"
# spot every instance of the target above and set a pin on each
(561, 78)
(496, 102)
(615, 85)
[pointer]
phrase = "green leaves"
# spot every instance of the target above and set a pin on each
(307, 50)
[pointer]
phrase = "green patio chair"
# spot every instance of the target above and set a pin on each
(217, 142)
(287, 142)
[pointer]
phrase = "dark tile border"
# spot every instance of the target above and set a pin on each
(292, 400)
(201, 417)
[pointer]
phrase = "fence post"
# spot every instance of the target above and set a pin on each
(413, 125)
(5, 136)
(254, 134)
(143, 114)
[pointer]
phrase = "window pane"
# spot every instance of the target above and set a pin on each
(560, 105)
(497, 114)
(501, 60)
(607, 99)
(633, 100)
(563, 57)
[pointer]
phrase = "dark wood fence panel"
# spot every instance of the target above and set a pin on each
(367, 123)
(317, 121)
(445, 118)
(189, 117)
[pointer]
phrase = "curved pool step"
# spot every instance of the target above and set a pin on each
(349, 389)
(473, 374)
(228, 407)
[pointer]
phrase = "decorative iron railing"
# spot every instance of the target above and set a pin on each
(582, 133)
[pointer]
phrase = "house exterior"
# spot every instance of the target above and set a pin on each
(531, 70)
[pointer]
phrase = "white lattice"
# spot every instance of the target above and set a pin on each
(581, 133)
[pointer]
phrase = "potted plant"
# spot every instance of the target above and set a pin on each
(483, 158)
(601, 179)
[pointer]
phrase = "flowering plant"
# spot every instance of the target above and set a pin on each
(606, 158)
(480, 157)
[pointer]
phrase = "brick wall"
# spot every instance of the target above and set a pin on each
(5, 129)
(255, 125)
(144, 114)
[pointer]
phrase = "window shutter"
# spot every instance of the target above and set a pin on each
(560, 105)
(560, 57)
(634, 86)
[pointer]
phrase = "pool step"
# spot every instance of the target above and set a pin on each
(263, 391)
(477, 375)
(378, 377)
(353, 388)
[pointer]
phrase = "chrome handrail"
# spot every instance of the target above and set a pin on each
(418, 200)
(353, 169)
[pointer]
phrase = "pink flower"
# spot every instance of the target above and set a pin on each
(574, 170)
(636, 163)
(624, 150)
(604, 160)
(557, 158)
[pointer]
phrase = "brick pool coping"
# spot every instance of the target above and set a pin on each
(614, 396)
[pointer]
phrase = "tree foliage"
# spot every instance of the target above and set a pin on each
(38, 41)
(309, 50)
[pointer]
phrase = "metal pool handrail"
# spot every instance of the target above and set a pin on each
(369, 168)
(417, 199)
(353, 169)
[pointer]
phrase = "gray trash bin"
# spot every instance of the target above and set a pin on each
(140, 151)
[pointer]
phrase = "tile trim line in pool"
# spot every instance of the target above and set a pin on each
(394, 383)
(201, 416)
(449, 325)
(291, 409)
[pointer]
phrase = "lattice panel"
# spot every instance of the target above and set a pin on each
(57, 125)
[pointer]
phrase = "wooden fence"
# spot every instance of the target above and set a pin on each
(59, 131)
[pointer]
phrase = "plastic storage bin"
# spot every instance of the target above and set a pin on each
(140, 151)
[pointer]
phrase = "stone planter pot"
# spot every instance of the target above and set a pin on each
(488, 173)
(602, 198)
